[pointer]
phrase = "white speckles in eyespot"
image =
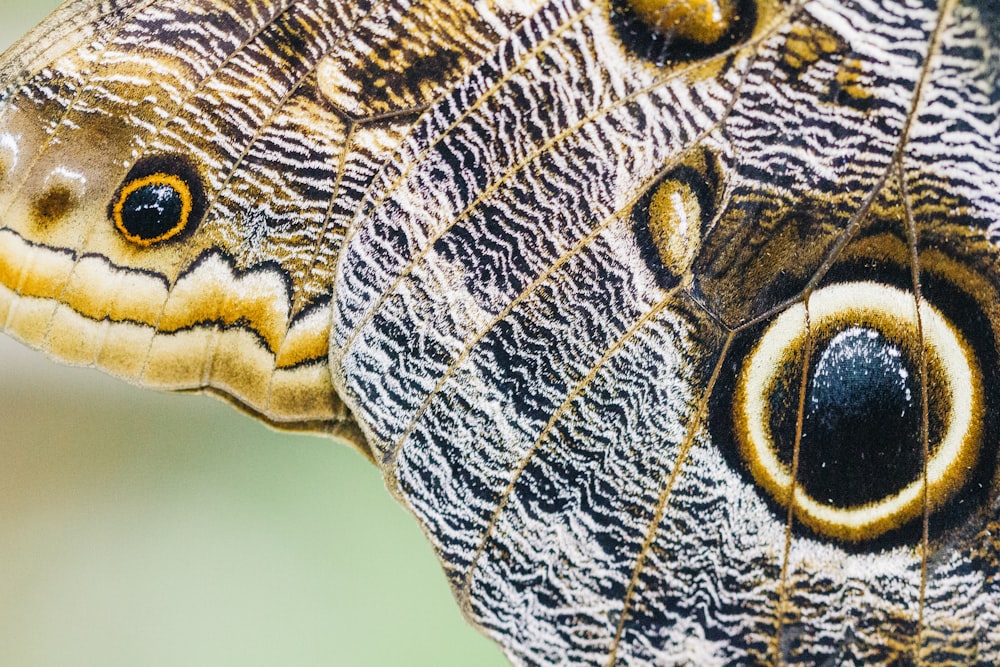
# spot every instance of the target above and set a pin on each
(846, 344)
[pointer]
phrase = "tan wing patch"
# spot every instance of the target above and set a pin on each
(172, 205)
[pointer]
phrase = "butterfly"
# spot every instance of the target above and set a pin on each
(673, 323)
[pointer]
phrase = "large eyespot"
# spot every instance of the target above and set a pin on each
(665, 31)
(160, 199)
(860, 466)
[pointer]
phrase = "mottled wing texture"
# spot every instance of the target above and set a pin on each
(267, 120)
(674, 322)
(593, 265)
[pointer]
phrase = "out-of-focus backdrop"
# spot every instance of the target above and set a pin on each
(140, 529)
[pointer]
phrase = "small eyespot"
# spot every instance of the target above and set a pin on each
(153, 209)
(700, 21)
(669, 219)
(667, 31)
(861, 465)
(52, 205)
(61, 192)
(160, 199)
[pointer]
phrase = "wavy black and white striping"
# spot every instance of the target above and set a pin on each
(545, 405)
(578, 276)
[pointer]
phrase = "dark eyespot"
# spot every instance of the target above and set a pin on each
(665, 31)
(861, 419)
(160, 199)
(860, 470)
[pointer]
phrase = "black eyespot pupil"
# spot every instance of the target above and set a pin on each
(861, 424)
(151, 211)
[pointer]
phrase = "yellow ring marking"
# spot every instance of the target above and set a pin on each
(882, 307)
(159, 178)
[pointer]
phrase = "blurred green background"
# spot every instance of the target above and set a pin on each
(142, 529)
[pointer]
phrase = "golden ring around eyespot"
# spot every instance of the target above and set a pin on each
(892, 311)
(172, 181)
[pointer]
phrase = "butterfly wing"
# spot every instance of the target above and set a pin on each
(679, 342)
(177, 178)
(611, 296)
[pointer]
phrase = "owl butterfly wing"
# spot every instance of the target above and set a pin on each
(682, 346)
(176, 178)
